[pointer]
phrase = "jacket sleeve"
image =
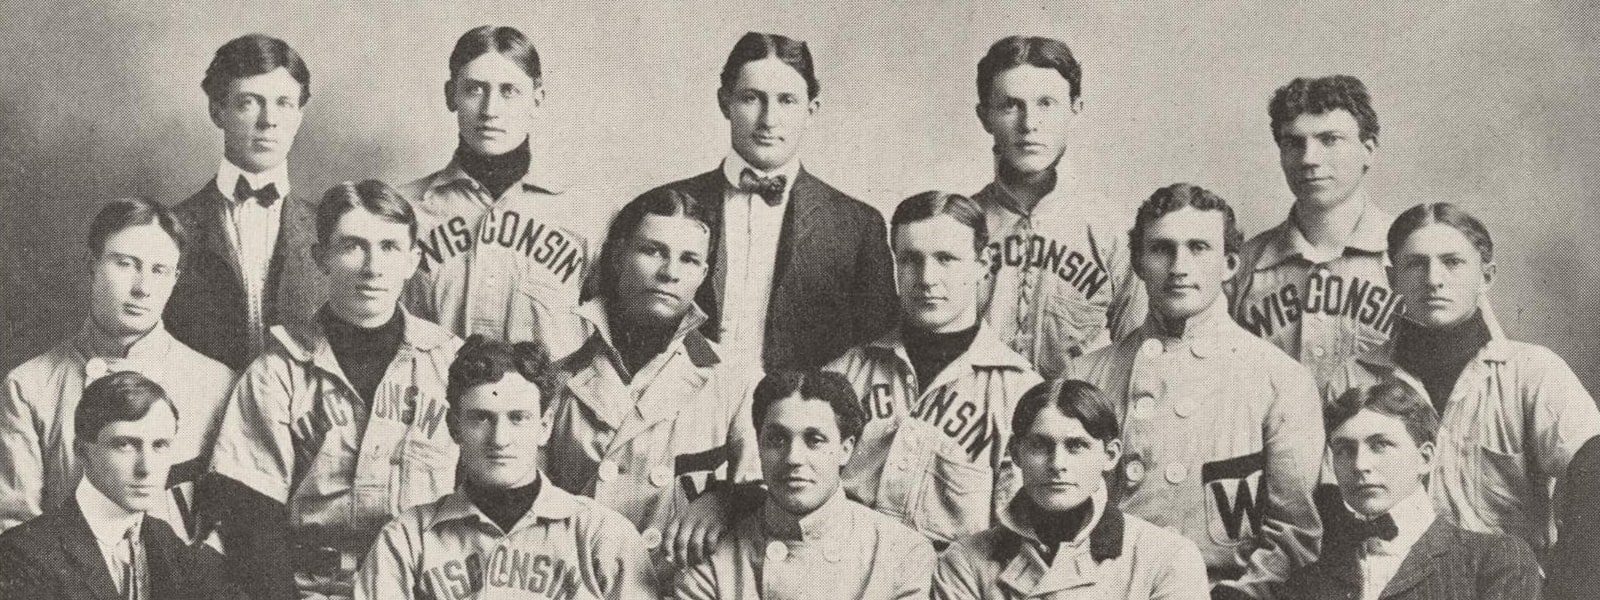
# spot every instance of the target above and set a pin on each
(1508, 571)
(1130, 305)
(955, 577)
(916, 569)
(21, 464)
(1182, 575)
(877, 305)
(389, 569)
(248, 491)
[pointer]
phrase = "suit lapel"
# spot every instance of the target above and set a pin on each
(77, 542)
(710, 189)
(1423, 559)
(292, 223)
(213, 224)
(804, 198)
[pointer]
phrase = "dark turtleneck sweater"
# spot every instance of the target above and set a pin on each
(504, 507)
(1437, 356)
(497, 173)
(1055, 527)
(930, 353)
(364, 354)
(637, 345)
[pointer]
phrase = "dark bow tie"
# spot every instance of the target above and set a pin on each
(769, 188)
(264, 196)
(1382, 528)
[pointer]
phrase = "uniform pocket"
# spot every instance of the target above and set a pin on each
(955, 496)
(1504, 477)
(427, 470)
(1069, 329)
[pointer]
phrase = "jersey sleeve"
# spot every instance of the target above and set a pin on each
(916, 569)
(742, 448)
(1129, 305)
(390, 567)
(21, 464)
(254, 446)
(1564, 415)
(621, 560)
(1182, 575)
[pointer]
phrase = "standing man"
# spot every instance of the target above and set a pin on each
(337, 428)
(135, 247)
(800, 272)
(1221, 430)
(251, 267)
(1060, 284)
(504, 250)
(1314, 285)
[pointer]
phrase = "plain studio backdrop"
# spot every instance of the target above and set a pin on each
(1488, 104)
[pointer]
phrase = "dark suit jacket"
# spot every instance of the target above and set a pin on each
(208, 310)
(833, 282)
(1575, 560)
(54, 556)
(1447, 563)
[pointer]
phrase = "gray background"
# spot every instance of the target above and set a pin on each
(1489, 104)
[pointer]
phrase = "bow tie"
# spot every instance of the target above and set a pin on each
(1382, 528)
(769, 188)
(264, 196)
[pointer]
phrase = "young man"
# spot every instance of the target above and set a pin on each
(1061, 534)
(505, 531)
(808, 540)
(338, 426)
(504, 249)
(802, 272)
(1381, 440)
(251, 267)
(1221, 430)
(102, 542)
(1060, 284)
(938, 392)
(135, 248)
(1314, 285)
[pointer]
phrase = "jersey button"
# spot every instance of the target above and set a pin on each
(652, 537)
(1319, 351)
(1176, 474)
(609, 470)
(1134, 471)
(1144, 405)
(777, 551)
(661, 475)
(1184, 407)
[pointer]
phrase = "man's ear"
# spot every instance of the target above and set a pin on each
(450, 94)
(1113, 455)
(538, 97)
(450, 424)
(813, 107)
(544, 425)
(981, 111)
(722, 102)
(1488, 276)
(1077, 105)
(319, 255)
(848, 447)
(214, 108)
(1232, 266)
(1427, 449)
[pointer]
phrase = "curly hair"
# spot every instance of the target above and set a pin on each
(1322, 94)
(1175, 197)
(482, 361)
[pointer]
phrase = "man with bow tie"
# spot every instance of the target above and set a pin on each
(802, 271)
(1393, 546)
(251, 267)
(134, 252)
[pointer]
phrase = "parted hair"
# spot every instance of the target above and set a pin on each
(930, 204)
(811, 384)
(1317, 95)
(508, 41)
(1389, 397)
(658, 202)
(371, 195)
(120, 396)
(482, 361)
(1175, 197)
(250, 55)
(1080, 400)
(1445, 213)
(1019, 50)
(121, 214)
(757, 46)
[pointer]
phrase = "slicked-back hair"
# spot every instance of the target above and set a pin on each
(1389, 397)
(930, 204)
(811, 384)
(1033, 51)
(659, 202)
(371, 195)
(121, 214)
(250, 55)
(120, 396)
(757, 46)
(483, 361)
(1175, 197)
(1318, 95)
(1444, 213)
(508, 41)
(1080, 400)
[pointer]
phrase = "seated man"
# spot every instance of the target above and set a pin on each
(504, 516)
(100, 543)
(808, 540)
(1381, 439)
(1061, 532)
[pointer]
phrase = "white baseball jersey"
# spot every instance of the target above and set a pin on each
(566, 547)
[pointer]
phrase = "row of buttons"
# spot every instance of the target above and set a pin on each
(659, 476)
(1135, 472)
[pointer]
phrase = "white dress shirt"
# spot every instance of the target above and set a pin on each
(111, 525)
(253, 233)
(1380, 559)
(750, 230)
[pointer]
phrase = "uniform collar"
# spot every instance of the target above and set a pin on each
(695, 344)
(553, 504)
(228, 175)
(986, 351)
(108, 521)
(734, 165)
(1286, 241)
(1498, 350)
(829, 525)
(1104, 530)
(1002, 194)
(1204, 334)
(307, 341)
(454, 176)
(92, 343)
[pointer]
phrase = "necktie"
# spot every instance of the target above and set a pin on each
(135, 574)
(1382, 528)
(265, 196)
(769, 188)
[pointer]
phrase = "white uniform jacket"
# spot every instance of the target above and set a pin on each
(1060, 281)
(39, 469)
(565, 547)
(934, 458)
(1515, 417)
(1222, 441)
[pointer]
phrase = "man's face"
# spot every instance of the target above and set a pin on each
(1182, 262)
(802, 453)
(259, 117)
(1061, 464)
(495, 102)
(1441, 275)
(499, 429)
(1324, 158)
(368, 260)
(660, 268)
(132, 279)
(1377, 462)
(938, 272)
(1028, 112)
(129, 460)
(768, 112)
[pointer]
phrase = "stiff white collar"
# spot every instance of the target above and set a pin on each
(108, 521)
(228, 175)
